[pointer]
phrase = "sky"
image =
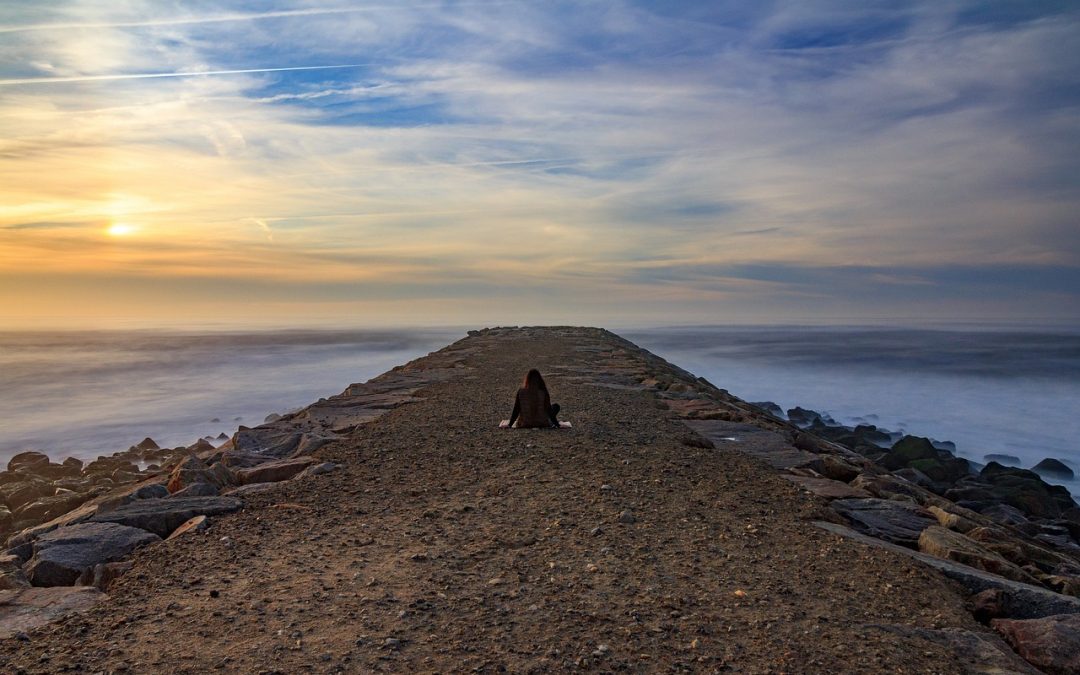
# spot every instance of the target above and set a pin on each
(519, 162)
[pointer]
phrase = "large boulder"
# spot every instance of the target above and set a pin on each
(193, 470)
(11, 573)
(27, 460)
(272, 472)
(948, 545)
(907, 450)
(1051, 643)
(162, 516)
(1054, 468)
(48, 508)
(63, 555)
(894, 521)
(1027, 491)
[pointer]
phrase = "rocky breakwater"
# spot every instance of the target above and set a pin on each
(69, 527)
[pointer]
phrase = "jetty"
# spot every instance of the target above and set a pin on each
(396, 527)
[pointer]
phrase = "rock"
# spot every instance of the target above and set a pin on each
(143, 491)
(274, 471)
(907, 450)
(6, 519)
(1054, 468)
(1025, 601)
(832, 467)
(197, 490)
(1051, 643)
(894, 521)
(196, 524)
(74, 463)
(627, 518)
(162, 516)
(942, 543)
(952, 521)
(14, 495)
(48, 508)
(318, 469)
(249, 489)
(192, 470)
(26, 609)
(147, 444)
(27, 460)
(1005, 514)
(11, 573)
(1002, 459)
(827, 488)
(980, 653)
(103, 574)
(890, 487)
(989, 604)
(769, 407)
(802, 417)
(1026, 491)
(61, 556)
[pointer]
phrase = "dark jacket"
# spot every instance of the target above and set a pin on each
(532, 409)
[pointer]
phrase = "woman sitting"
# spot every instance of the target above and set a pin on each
(533, 408)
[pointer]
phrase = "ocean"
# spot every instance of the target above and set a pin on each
(84, 394)
(993, 391)
(989, 391)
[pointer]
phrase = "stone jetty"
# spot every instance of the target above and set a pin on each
(396, 527)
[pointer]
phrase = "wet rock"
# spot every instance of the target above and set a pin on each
(27, 460)
(1027, 491)
(802, 417)
(274, 471)
(889, 487)
(769, 407)
(916, 477)
(74, 463)
(1005, 514)
(894, 521)
(147, 444)
(942, 543)
(1052, 643)
(1054, 468)
(162, 516)
(907, 450)
(26, 609)
(61, 556)
(1008, 460)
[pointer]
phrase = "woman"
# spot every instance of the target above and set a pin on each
(533, 407)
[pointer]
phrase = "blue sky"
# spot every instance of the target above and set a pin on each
(521, 162)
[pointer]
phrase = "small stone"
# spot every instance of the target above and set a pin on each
(215, 594)
(392, 643)
(627, 518)
(606, 488)
(596, 531)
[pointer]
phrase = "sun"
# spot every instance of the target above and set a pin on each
(120, 229)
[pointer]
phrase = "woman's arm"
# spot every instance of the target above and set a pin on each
(514, 415)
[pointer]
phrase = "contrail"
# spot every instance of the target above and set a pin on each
(221, 18)
(194, 73)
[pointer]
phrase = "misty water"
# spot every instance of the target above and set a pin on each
(989, 391)
(91, 393)
(88, 393)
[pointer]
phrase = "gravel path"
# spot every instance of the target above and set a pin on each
(447, 544)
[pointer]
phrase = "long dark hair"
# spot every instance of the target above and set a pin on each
(533, 380)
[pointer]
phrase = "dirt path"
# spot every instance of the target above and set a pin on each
(446, 544)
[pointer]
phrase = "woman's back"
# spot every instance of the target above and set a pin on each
(534, 408)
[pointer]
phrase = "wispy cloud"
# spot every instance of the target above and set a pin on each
(620, 155)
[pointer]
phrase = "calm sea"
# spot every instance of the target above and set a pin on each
(88, 393)
(989, 391)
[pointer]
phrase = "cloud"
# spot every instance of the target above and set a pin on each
(570, 146)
